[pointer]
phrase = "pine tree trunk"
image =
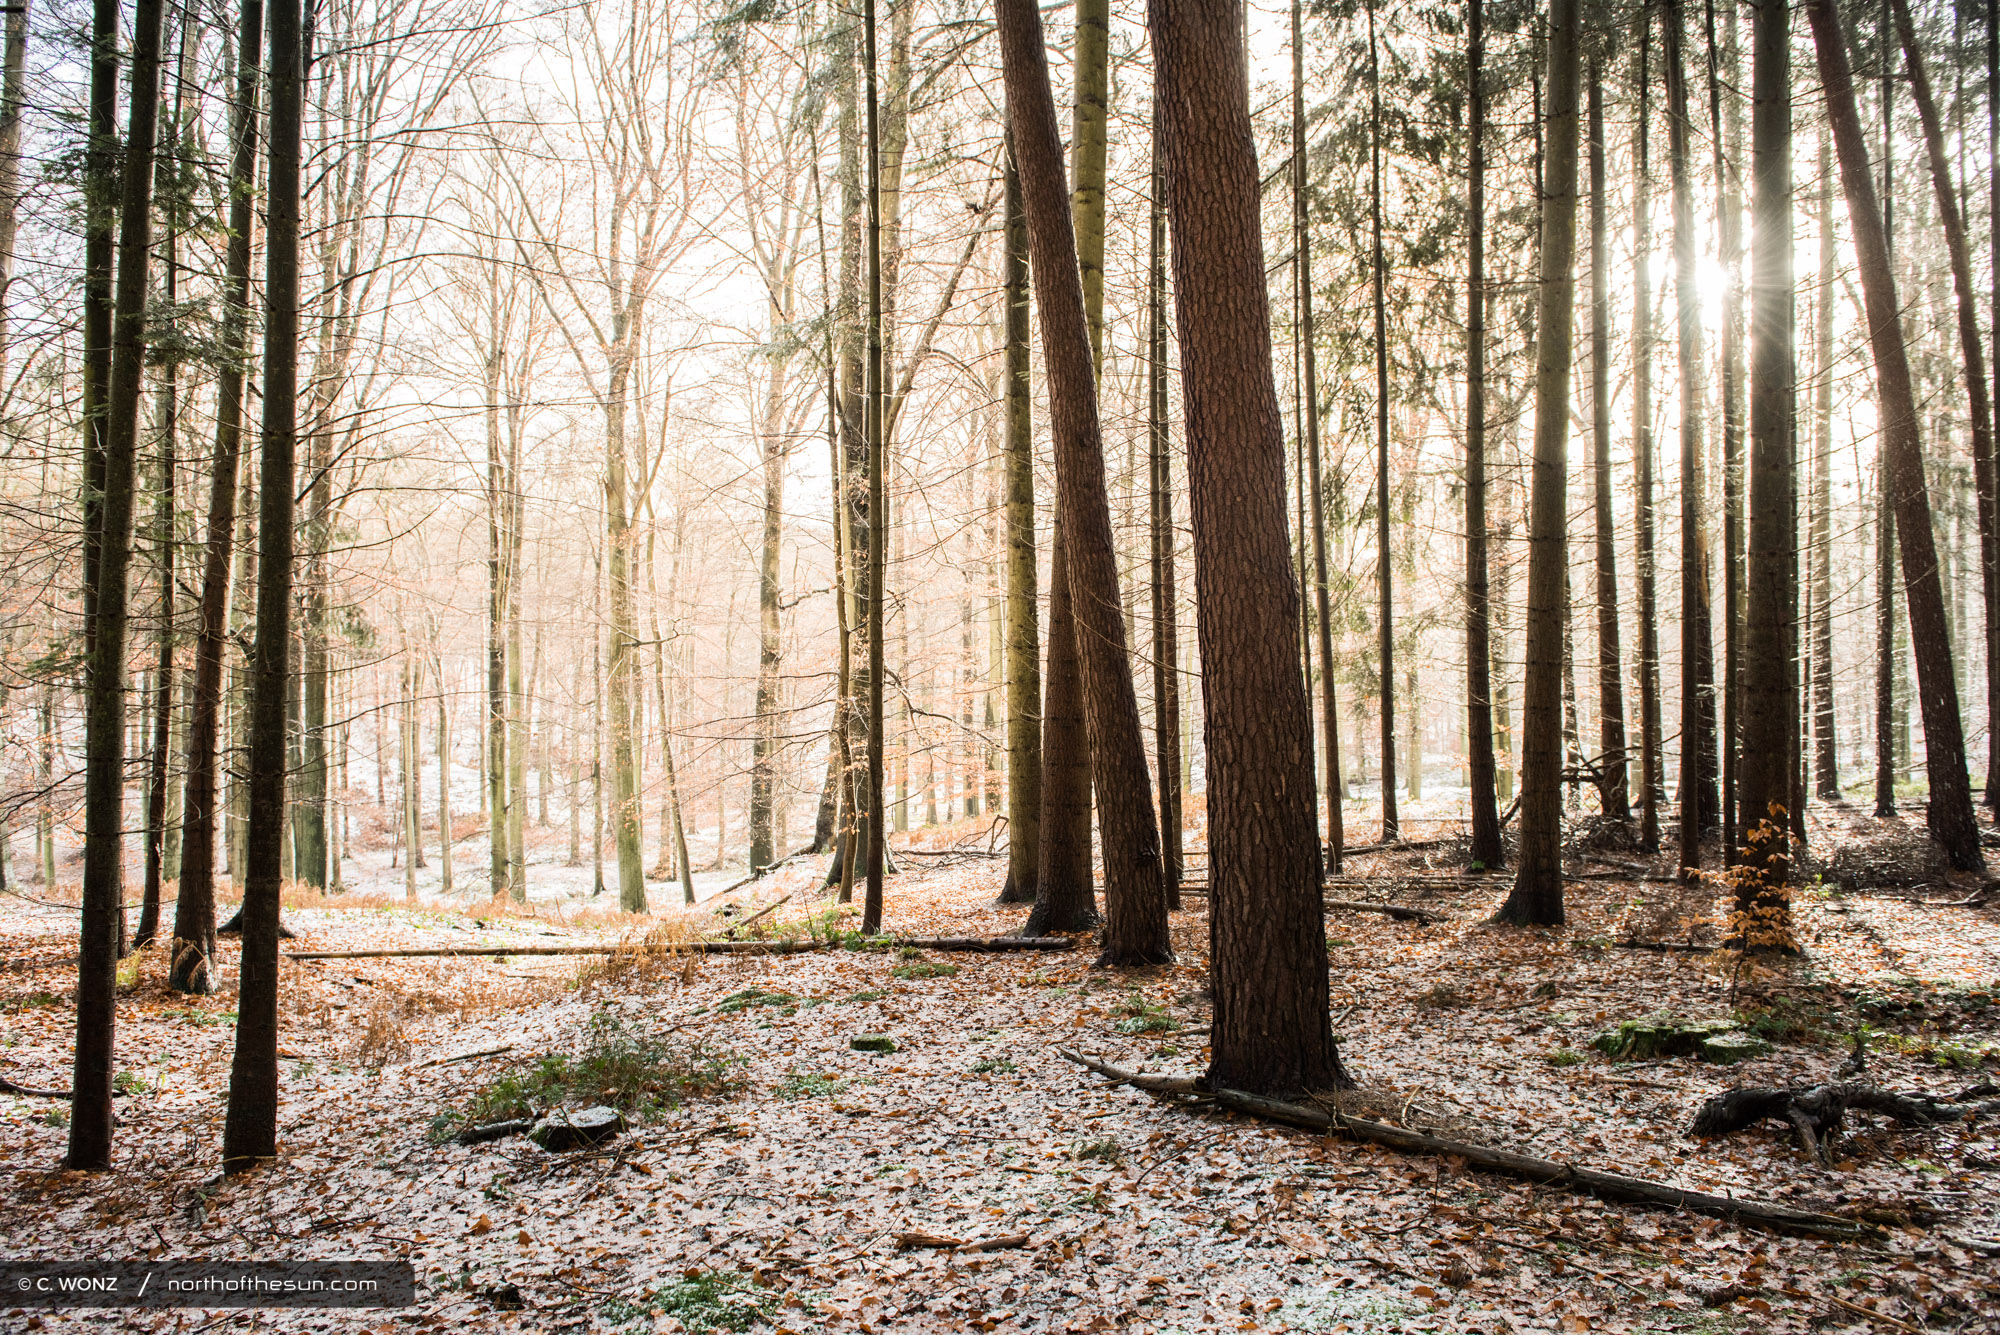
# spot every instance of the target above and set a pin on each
(1166, 632)
(1537, 895)
(1136, 917)
(1726, 137)
(876, 832)
(1065, 896)
(101, 202)
(159, 767)
(1309, 369)
(1698, 802)
(1642, 456)
(103, 921)
(1267, 943)
(250, 1131)
(1950, 817)
(1614, 791)
(1385, 611)
(1487, 849)
(1826, 756)
(1969, 338)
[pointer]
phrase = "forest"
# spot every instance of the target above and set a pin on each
(908, 665)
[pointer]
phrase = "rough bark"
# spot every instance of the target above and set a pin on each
(1024, 637)
(1726, 138)
(1487, 849)
(1826, 757)
(1385, 610)
(1267, 943)
(1537, 893)
(1643, 466)
(1166, 631)
(1065, 896)
(1950, 817)
(1136, 918)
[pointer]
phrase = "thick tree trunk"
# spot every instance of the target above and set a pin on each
(1698, 803)
(1969, 339)
(1537, 895)
(1487, 849)
(1614, 790)
(878, 498)
(1266, 938)
(1642, 456)
(250, 1130)
(103, 920)
(1950, 815)
(1065, 896)
(1136, 916)
(100, 245)
(1024, 638)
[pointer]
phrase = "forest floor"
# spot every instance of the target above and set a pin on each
(771, 1169)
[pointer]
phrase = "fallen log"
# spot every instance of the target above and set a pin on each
(479, 1135)
(1401, 912)
(1544, 1172)
(982, 944)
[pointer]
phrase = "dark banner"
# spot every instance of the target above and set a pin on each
(32, 1284)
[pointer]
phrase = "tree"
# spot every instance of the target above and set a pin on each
(1329, 719)
(1136, 924)
(1166, 632)
(1977, 404)
(1950, 817)
(1537, 894)
(1726, 137)
(1385, 612)
(1698, 799)
(103, 922)
(1024, 639)
(1613, 785)
(1642, 451)
(1266, 940)
(1826, 758)
(194, 909)
(1487, 850)
(250, 1127)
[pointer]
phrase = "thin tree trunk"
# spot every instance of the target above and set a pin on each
(444, 780)
(1384, 576)
(1826, 756)
(1267, 941)
(1309, 355)
(1698, 802)
(103, 920)
(878, 495)
(1166, 634)
(1136, 924)
(1537, 895)
(100, 245)
(1613, 788)
(1024, 638)
(1642, 456)
(1977, 404)
(250, 1130)
(1726, 137)
(13, 105)
(1487, 849)
(1950, 817)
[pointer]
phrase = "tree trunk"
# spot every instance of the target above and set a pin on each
(103, 920)
(878, 497)
(1487, 849)
(497, 485)
(100, 243)
(1613, 788)
(1950, 817)
(1698, 803)
(444, 779)
(1309, 370)
(1978, 406)
(1385, 611)
(1537, 895)
(250, 1131)
(1065, 896)
(1136, 924)
(1642, 455)
(1267, 942)
(1024, 639)
(1166, 633)
(1826, 756)
(13, 106)
(1726, 137)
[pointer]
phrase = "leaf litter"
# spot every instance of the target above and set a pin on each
(791, 1183)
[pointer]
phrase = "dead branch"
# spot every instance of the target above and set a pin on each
(29, 1091)
(1816, 1112)
(982, 944)
(1545, 1172)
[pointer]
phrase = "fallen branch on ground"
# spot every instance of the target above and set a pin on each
(946, 943)
(1544, 1172)
(1815, 1112)
(906, 1241)
(781, 900)
(1401, 912)
(464, 1057)
(29, 1091)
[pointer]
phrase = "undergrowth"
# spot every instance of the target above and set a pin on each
(637, 1073)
